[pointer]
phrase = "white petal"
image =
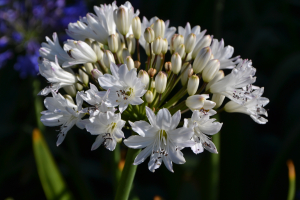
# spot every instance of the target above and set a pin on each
(211, 128)
(138, 142)
(97, 142)
(175, 120)
(151, 116)
(143, 155)
(140, 127)
(197, 148)
(176, 155)
(168, 163)
(181, 135)
(164, 119)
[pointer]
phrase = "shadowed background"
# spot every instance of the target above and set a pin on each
(252, 156)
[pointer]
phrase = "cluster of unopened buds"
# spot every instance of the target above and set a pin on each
(101, 70)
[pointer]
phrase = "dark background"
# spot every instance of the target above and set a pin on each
(253, 157)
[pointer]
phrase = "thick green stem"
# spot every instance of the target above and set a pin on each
(176, 97)
(127, 176)
(115, 166)
(292, 180)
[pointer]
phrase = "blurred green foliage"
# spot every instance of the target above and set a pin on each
(252, 157)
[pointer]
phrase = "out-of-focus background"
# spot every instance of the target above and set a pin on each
(252, 157)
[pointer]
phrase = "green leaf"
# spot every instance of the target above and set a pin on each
(53, 184)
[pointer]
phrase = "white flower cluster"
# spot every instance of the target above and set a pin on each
(102, 68)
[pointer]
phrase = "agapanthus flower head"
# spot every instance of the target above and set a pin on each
(102, 66)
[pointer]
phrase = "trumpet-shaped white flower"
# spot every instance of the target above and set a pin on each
(55, 75)
(232, 85)
(62, 112)
(97, 27)
(253, 107)
(96, 98)
(185, 32)
(108, 126)
(169, 31)
(160, 139)
(202, 126)
(80, 52)
(125, 87)
(224, 54)
(52, 48)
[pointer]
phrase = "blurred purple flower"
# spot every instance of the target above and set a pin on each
(27, 65)
(3, 42)
(4, 57)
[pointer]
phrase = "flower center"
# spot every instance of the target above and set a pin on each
(163, 136)
(111, 127)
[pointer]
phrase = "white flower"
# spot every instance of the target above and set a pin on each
(125, 87)
(199, 102)
(253, 107)
(52, 48)
(80, 52)
(160, 138)
(145, 24)
(55, 75)
(232, 85)
(96, 98)
(224, 54)
(108, 126)
(185, 32)
(97, 27)
(62, 112)
(202, 126)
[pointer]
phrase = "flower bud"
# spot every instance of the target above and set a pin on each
(152, 72)
(108, 58)
(181, 50)
(89, 67)
(157, 45)
(195, 102)
(204, 42)
(152, 84)
(129, 63)
(149, 35)
(168, 66)
(193, 84)
(189, 43)
(165, 46)
(210, 70)
(70, 90)
(79, 86)
(160, 82)
(159, 28)
(218, 77)
(218, 99)
(69, 98)
(121, 18)
(136, 27)
(186, 73)
(233, 107)
(137, 64)
(176, 63)
(83, 76)
(125, 53)
(144, 77)
(176, 41)
(201, 60)
(149, 96)
(131, 44)
(97, 46)
(113, 43)
(96, 73)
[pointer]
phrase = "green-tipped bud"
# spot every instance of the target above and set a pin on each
(164, 49)
(160, 82)
(157, 45)
(97, 46)
(144, 77)
(121, 16)
(159, 28)
(210, 70)
(189, 43)
(176, 63)
(125, 53)
(129, 63)
(113, 43)
(218, 99)
(69, 98)
(218, 77)
(70, 90)
(201, 60)
(195, 102)
(149, 35)
(108, 58)
(186, 74)
(96, 73)
(149, 96)
(79, 86)
(152, 84)
(136, 27)
(181, 50)
(193, 84)
(176, 41)
(89, 67)
(131, 42)
(204, 42)
(83, 76)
